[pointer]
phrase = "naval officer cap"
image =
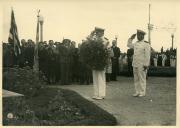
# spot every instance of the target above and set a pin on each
(98, 29)
(141, 32)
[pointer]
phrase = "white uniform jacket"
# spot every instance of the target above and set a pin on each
(142, 51)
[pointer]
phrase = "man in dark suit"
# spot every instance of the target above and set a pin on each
(130, 53)
(115, 61)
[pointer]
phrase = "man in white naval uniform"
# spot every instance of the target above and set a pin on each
(99, 80)
(141, 60)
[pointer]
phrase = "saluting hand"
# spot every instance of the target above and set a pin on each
(93, 33)
(133, 36)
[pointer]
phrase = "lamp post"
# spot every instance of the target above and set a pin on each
(172, 30)
(36, 62)
(116, 37)
(172, 36)
(41, 21)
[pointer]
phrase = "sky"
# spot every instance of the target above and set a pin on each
(75, 19)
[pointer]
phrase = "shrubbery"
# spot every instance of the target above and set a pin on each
(54, 107)
(162, 71)
(96, 115)
(154, 71)
(21, 80)
(16, 111)
(48, 108)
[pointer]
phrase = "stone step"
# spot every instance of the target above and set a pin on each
(6, 93)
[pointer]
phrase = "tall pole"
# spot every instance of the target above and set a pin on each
(41, 26)
(36, 59)
(41, 32)
(149, 25)
(116, 37)
(172, 40)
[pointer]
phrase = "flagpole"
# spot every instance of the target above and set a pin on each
(13, 35)
(149, 29)
(36, 58)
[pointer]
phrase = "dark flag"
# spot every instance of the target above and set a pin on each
(36, 61)
(13, 35)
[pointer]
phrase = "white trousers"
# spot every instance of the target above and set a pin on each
(172, 62)
(140, 80)
(99, 83)
(155, 62)
(163, 63)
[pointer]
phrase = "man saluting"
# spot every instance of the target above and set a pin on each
(141, 59)
(99, 81)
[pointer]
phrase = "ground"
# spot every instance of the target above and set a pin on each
(157, 108)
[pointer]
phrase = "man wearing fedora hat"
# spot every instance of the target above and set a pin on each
(141, 60)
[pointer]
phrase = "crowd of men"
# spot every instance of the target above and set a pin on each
(59, 62)
(164, 58)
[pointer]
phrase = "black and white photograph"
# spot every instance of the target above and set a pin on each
(90, 62)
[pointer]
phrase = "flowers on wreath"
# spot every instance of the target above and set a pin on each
(93, 52)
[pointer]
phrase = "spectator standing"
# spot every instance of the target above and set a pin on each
(172, 61)
(164, 58)
(130, 53)
(159, 59)
(155, 59)
(115, 61)
(109, 64)
(121, 63)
